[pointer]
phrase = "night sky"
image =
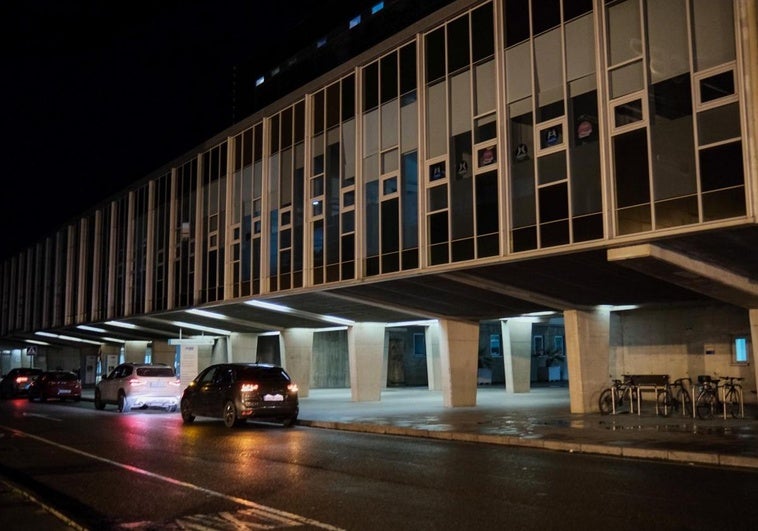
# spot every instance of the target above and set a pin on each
(98, 94)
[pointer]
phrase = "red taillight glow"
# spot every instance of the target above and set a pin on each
(22, 379)
(292, 388)
(249, 388)
(176, 383)
(136, 381)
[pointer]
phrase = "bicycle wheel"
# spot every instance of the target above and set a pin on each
(665, 402)
(706, 404)
(682, 401)
(732, 400)
(605, 402)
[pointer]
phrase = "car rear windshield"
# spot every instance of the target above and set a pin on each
(63, 376)
(155, 371)
(274, 374)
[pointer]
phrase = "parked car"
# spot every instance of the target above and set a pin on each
(17, 381)
(56, 384)
(139, 385)
(237, 392)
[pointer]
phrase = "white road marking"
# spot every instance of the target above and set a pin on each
(262, 510)
(46, 417)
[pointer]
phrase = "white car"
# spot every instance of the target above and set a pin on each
(135, 385)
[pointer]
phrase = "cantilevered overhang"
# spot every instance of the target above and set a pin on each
(688, 272)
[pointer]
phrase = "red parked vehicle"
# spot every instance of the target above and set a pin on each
(62, 385)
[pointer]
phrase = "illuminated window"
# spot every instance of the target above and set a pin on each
(740, 350)
(355, 21)
(377, 7)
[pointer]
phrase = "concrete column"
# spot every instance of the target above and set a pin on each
(433, 368)
(134, 351)
(587, 348)
(365, 346)
(243, 347)
(163, 352)
(517, 355)
(296, 346)
(459, 356)
(754, 347)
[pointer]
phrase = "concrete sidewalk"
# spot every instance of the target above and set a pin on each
(540, 419)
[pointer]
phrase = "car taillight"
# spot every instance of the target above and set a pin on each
(136, 381)
(249, 388)
(176, 383)
(292, 388)
(22, 379)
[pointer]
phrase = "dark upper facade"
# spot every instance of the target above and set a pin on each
(482, 162)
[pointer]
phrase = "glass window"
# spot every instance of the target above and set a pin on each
(667, 36)
(716, 125)
(517, 72)
(435, 54)
(626, 79)
(721, 166)
(580, 48)
(740, 350)
(458, 44)
(460, 103)
(484, 78)
(631, 168)
(388, 77)
(482, 33)
(552, 168)
(516, 21)
(437, 198)
(546, 14)
(671, 118)
(718, 86)
(627, 113)
(389, 124)
(549, 69)
(371, 86)
(436, 120)
(624, 32)
(714, 33)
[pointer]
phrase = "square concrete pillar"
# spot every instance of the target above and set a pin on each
(587, 351)
(243, 347)
(433, 368)
(459, 356)
(365, 346)
(134, 351)
(296, 347)
(517, 355)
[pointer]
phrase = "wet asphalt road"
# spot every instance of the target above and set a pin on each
(146, 470)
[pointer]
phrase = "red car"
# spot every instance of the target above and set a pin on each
(56, 384)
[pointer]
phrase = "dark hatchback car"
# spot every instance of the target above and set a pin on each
(237, 392)
(62, 385)
(17, 381)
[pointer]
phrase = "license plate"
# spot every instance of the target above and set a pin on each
(157, 384)
(273, 398)
(64, 391)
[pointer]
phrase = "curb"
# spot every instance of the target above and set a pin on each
(676, 456)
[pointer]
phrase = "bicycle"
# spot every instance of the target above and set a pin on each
(732, 397)
(675, 397)
(612, 398)
(708, 398)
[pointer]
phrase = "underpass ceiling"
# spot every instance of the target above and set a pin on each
(580, 280)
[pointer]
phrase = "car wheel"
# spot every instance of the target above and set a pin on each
(42, 397)
(99, 404)
(30, 397)
(123, 402)
(289, 422)
(230, 414)
(187, 415)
